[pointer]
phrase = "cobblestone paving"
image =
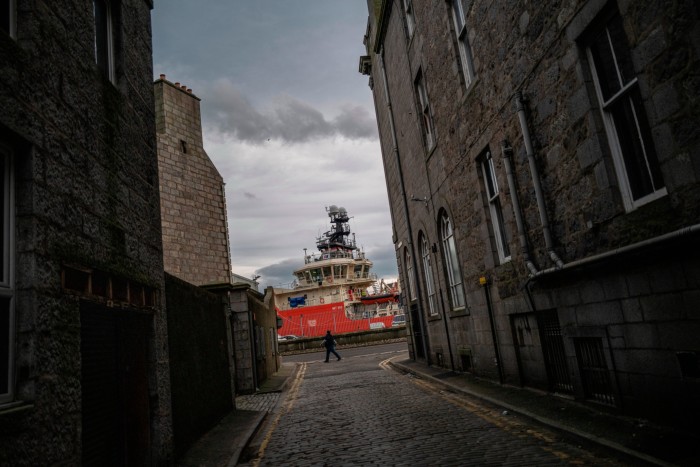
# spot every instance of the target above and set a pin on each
(357, 412)
(260, 402)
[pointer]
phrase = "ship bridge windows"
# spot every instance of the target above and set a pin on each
(358, 271)
(327, 272)
(316, 275)
(340, 272)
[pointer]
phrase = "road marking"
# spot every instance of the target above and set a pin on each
(286, 408)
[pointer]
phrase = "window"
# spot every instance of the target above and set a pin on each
(7, 17)
(492, 194)
(426, 114)
(7, 312)
(428, 274)
(629, 136)
(104, 38)
(449, 249)
(465, 55)
(410, 21)
(409, 274)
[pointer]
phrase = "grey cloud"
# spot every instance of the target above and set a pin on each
(356, 122)
(229, 112)
(279, 274)
(249, 195)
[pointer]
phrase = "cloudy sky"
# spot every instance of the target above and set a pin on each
(287, 119)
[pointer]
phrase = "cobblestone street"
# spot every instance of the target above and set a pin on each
(360, 412)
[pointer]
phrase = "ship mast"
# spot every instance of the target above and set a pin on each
(337, 238)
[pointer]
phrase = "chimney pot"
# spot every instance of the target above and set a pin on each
(177, 85)
(162, 76)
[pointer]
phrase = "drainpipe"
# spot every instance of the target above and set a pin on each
(520, 107)
(447, 330)
(507, 152)
(485, 283)
(395, 150)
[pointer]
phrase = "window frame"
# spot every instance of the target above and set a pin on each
(454, 274)
(459, 20)
(425, 111)
(408, 260)
(492, 193)
(108, 69)
(11, 19)
(625, 95)
(410, 19)
(8, 264)
(428, 275)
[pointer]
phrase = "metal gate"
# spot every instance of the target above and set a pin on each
(595, 374)
(553, 350)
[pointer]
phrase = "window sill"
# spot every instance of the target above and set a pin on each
(469, 90)
(13, 408)
(462, 311)
(435, 317)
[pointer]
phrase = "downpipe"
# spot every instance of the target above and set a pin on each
(534, 174)
(484, 282)
(507, 153)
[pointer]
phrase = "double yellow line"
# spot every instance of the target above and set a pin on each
(287, 405)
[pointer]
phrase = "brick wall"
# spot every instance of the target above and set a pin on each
(193, 204)
(199, 362)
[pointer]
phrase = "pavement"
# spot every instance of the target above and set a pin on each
(633, 440)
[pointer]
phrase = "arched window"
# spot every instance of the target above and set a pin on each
(428, 275)
(449, 249)
(408, 263)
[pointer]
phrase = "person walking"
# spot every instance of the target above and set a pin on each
(329, 343)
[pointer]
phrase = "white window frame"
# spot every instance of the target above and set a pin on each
(408, 259)
(426, 114)
(459, 17)
(454, 275)
(109, 38)
(8, 265)
(12, 18)
(428, 274)
(625, 93)
(495, 209)
(410, 20)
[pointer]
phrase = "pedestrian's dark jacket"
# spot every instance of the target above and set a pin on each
(328, 341)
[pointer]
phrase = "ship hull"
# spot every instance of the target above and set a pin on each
(314, 321)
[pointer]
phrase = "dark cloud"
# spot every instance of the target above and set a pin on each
(279, 274)
(230, 113)
(249, 195)
(356, 122)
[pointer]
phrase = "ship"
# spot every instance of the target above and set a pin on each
(335, 289)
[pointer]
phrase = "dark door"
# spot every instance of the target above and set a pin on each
(115, 408)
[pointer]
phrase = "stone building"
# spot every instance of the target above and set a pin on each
(193, 201)
(84, 364)
(542, 171)
(195, 235)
